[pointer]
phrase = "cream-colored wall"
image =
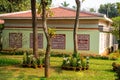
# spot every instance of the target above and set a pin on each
(62, 27)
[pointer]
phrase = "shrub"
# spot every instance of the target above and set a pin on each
(75, 62)
(118, 73)
(30, 61)
(116, 68)
(114, 56)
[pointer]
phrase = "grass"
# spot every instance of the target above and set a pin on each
(99, 70)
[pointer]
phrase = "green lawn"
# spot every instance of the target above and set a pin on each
(99, 70)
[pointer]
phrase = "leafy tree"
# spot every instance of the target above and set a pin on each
(109, 9)
(65, 4)
(74, 7)
(34, 21)
(7, 6)
(116, 29)
(118, 7)
(92, 10)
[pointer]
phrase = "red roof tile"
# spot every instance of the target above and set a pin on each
(59, 12)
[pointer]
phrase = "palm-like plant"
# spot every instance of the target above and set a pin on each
(65, 4)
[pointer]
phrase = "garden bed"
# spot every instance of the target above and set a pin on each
(74, 68)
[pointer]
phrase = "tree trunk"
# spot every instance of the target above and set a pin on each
(119, 40)
(34, 21)
(76, 26)
(45, 28)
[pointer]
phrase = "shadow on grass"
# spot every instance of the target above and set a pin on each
(109, 70)
(57, 69)
(43, 78)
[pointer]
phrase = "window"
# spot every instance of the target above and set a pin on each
(15, 40)
(83, 41)
(58, 42)
(40, 40)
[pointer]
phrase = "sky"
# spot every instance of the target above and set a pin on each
(86, 4)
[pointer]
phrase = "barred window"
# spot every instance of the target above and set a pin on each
(40, 40)
(15, 40)
(58, 42)
(83, 41)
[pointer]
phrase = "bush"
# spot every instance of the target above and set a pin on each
(12, 52)
(118, 73)
(114, 56)
(30, 61)
(75, 62)
(116, 68)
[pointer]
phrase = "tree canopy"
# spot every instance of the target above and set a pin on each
(116, 26)
(7, 6)
(109, 9)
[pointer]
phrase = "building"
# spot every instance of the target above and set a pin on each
(93, 33)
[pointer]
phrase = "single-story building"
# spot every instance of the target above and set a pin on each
(1, 28)
(93, 33)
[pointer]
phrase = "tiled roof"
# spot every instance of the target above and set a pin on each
(1, 21)
(59, 12)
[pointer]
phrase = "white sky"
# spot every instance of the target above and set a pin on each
(86, 4)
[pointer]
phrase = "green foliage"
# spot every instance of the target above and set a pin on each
(7, 61)
(118, 73)
(114, 56)
(1, 26)
(118, 7)
(97, 67)
(116, 25)
(110, 9)
(49, 13)
(40, 61)
(73, 62)
(7, 6)
(65, 4)
(76, 61)
(51, 32)
(30, 61)
(9, 52)
(116, 68)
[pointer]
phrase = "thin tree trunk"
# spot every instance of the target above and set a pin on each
(119, 40)
(34, 21)
(45, 28)
(76, 26)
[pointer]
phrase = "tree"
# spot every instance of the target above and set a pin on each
(74, 7)
(116, 29)
(92, 10)
(45, 4)
(118, 7)
(109, 9)
(65, 4)
(35, 37)
(7, 6)
(76, 26)
(78, 3)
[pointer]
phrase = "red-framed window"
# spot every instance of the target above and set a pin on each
(15, 40)
(40, 40)
(58, 41)
(83, 41)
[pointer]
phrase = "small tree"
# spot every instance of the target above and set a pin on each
(78, 3)
(65, 4)
(44, 10)
(116, 29)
